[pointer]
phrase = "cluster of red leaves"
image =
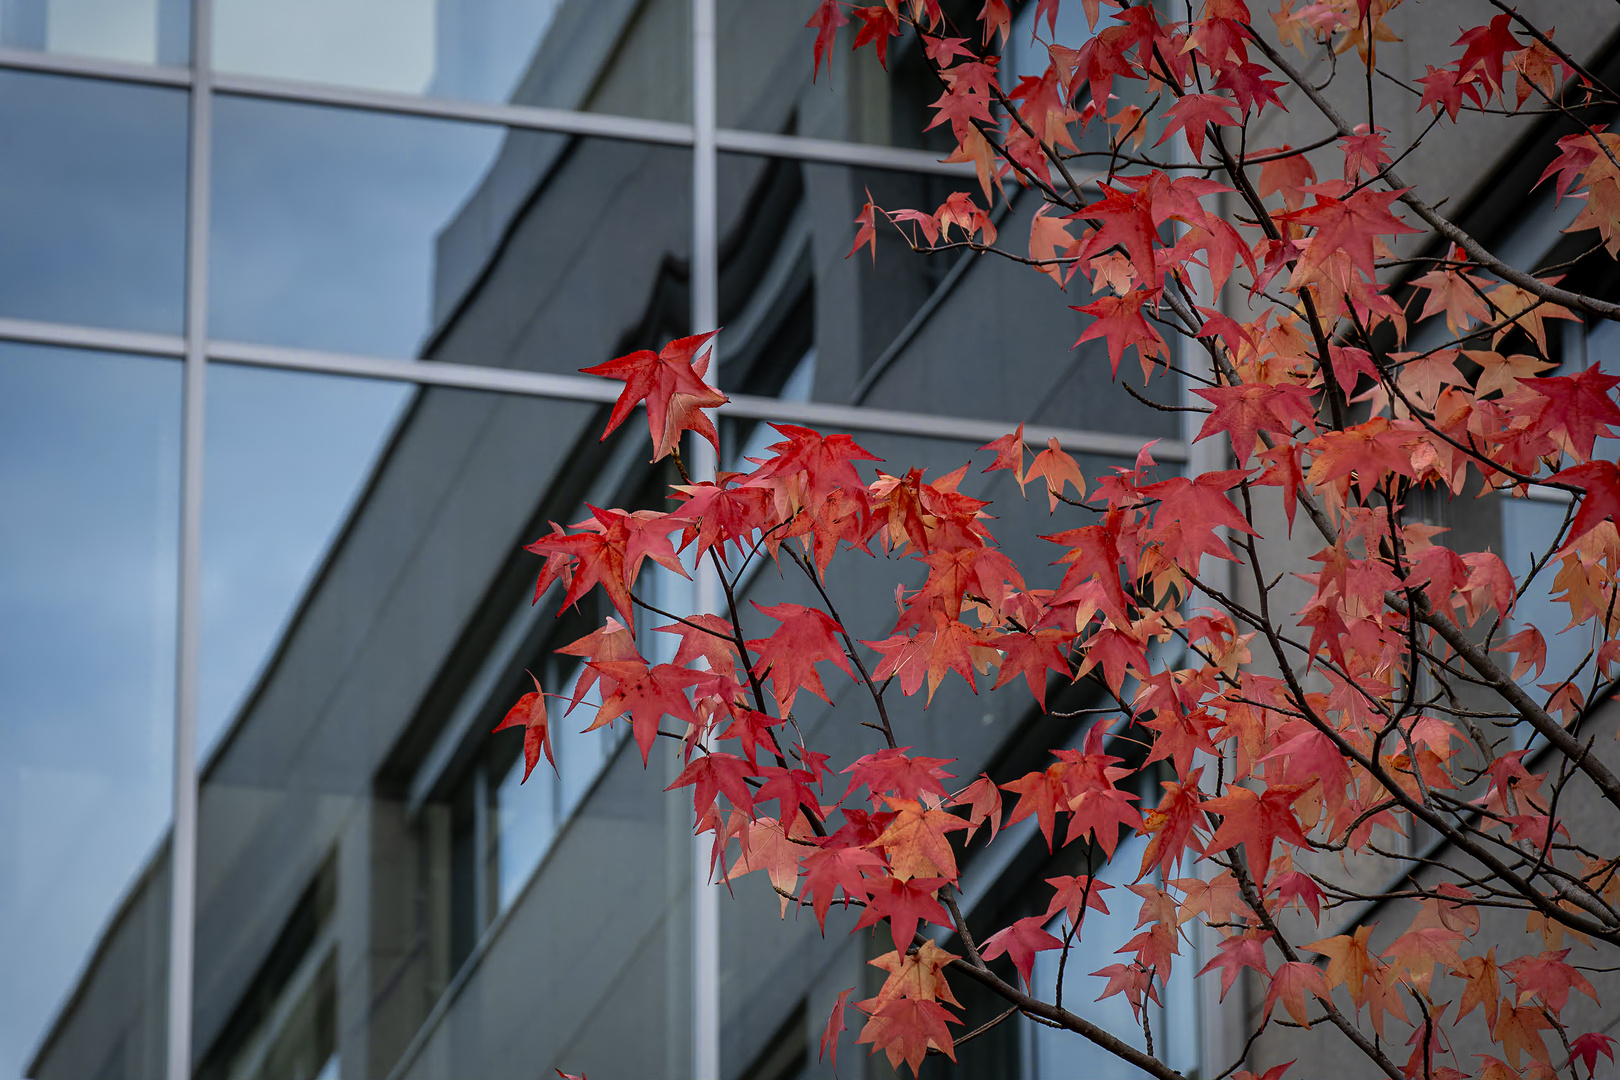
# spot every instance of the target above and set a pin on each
(1262, 773)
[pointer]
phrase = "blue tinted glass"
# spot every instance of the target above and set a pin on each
(1054, 1053)
(92, 202)
(135, 31)
(89, 478)
(904, 331)
(1529, 527)
(618, 56)
(326, 222)
(768, 80)
(287, 454)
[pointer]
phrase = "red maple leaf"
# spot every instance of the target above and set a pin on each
(1171, 824)
(1199, 506)
(752, 729)
(1119, 320)
(894, 772)
(915, 840)
(1192, 113)
(943, 50)
(1126, 219)
(1587, 1047)
(906, 1029)
(904, 904)
(837, 867)
(826, 462)
(1547, 976)
(1600, 482)
(1256, 821)
(835, 1028)
(1032, 655)
(878, 25)
(1251, 86)
(596, 554)
(1058, 469)
(1009, 454)
(1075, 894)
(983, 800)
(721, 512)
(1021, 941)
(1347, 225)
(716, 773)
(1486, 44)
(825, 22)
(1039, 793)
(530, 712)
(1286, 171)
(1579, 407)
(1247, 950)
(1364, 152)
(1444, 88)
(648, 695)
(1133, 980)
(671, 383)
(1290, 983)
(791, 789)
(788, 657)
(1245, 410)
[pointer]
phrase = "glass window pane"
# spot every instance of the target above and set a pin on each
(915, 331)
(92, 202)
(410, 633)
(526, 823)
(134, 31)
(89, 477)
(615, 56)
(759, 949)
(288, 453)
(325, 222)
(406, 237)
(1054, 1053)
(768, 79)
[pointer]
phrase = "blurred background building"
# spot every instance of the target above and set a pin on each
(292, 296)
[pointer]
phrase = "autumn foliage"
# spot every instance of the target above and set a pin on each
(1288, 744)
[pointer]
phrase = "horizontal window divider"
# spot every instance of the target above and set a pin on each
(934, 426)
(93, 67)
(835, 152)
(426, 372)
(91, 337)
(534, 117)
(742, 406)
(1543, 493)
(582, 388)
(529, 117)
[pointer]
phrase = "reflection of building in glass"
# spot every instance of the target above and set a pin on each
(375, 894)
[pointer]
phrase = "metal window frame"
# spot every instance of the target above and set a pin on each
(183, 849)
(197, 352)
(521, 117)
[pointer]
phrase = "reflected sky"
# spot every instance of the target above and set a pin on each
(325, 222)
(473, 49)
(135, 31)
(92, 202)
(1055, 1054)
(287, 455)
(89, 478)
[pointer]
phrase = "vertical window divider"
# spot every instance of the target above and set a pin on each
(706, 597)
(183, 842)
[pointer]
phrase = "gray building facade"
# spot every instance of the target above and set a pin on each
(290, 316)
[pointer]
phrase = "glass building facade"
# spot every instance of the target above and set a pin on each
(292, 300)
